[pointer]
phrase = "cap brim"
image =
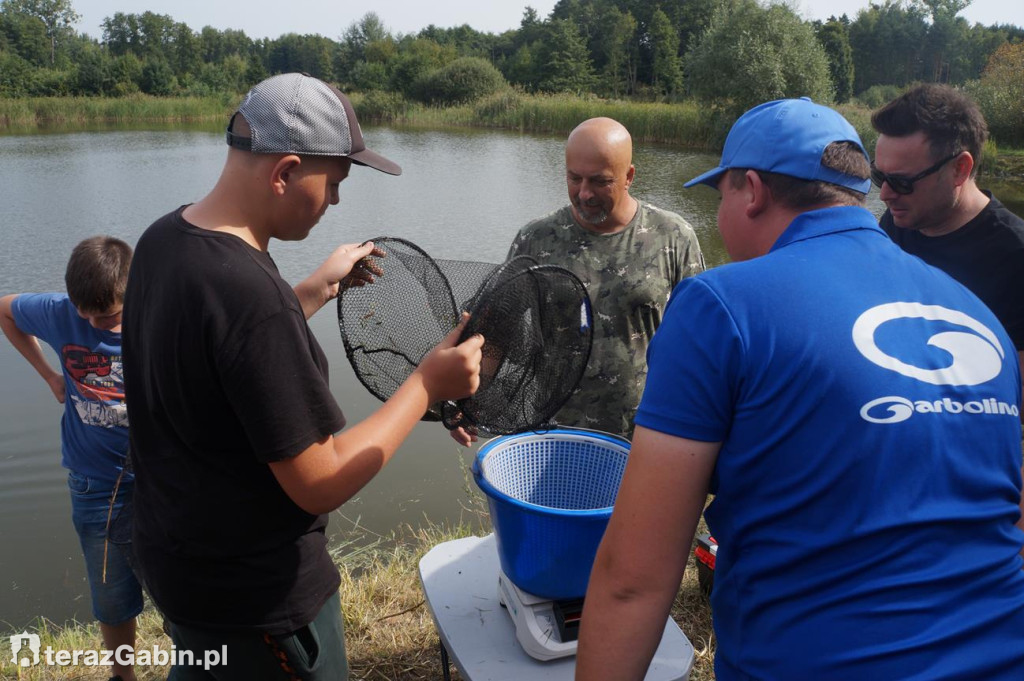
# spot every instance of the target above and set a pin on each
(372, 159)
(710, 178)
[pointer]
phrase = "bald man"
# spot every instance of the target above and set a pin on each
(236, 438)
(629, 255)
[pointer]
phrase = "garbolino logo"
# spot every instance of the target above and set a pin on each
(977, 357)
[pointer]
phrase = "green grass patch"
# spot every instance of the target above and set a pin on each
(389, 633)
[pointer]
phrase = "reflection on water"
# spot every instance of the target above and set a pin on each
(463, 195)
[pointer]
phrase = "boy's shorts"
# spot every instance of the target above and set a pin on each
(119, 598)
(315, 652)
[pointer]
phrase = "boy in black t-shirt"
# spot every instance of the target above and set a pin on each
(235, 433)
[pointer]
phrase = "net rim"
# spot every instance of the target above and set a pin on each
(432, 414)
(490, 288)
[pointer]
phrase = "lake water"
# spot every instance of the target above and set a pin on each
(463, 195)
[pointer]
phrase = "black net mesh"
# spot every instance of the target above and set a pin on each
(535, 320)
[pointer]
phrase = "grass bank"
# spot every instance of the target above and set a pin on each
(388, 630)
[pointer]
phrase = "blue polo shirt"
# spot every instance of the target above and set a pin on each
(869, 477)
(94, 426)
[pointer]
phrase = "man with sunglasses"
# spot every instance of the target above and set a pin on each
(929, 143)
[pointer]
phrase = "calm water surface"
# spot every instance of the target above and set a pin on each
(463, 195)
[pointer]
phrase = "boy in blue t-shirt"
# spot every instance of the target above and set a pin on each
(83, 327)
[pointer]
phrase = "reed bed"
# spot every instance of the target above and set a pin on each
(58, 111)
(684, 123)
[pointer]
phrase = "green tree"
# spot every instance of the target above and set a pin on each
(835, 39)
(158, 78)
(357, 36)
(945, 37)
(666, 67)
(15, 75)
(186, 55)
(93, 73)
(566, 60)
(416, 57)
(691, 18)
(464, 80)
(157, 35)
(217, 45)
(1000, 94)
(24, 36)
(753, 54)
(57, 16)
(618, 45)
(311, 54)
(887, 42)
(522, 67)
(121, 33)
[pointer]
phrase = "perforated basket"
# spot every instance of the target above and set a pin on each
(550, 496)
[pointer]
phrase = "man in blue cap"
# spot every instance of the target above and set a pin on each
(854, 411)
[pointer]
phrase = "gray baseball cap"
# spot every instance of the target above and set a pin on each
(295, 113)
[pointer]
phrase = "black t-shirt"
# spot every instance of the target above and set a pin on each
(222, 376)
(986, 255)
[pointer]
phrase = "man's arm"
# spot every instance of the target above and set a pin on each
(29, 348)
(330, 472)
(643, 554)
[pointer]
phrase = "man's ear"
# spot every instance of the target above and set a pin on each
(758, 196)
(630, 174)
(283, 171)
(962, 167)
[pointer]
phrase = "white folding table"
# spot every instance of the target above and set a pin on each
(460, 584)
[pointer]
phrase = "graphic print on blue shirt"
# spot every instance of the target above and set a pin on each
(99, 381)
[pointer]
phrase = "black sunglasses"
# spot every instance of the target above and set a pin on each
(901, 184)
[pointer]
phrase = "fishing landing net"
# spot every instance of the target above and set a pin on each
(535, 319)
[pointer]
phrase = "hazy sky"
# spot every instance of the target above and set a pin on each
(260, 19)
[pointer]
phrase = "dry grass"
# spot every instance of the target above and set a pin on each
(389, 633)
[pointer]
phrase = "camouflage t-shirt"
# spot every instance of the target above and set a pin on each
(629, 276)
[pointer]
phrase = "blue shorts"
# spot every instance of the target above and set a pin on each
(118, 598)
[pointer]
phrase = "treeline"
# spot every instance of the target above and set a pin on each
(727, 53)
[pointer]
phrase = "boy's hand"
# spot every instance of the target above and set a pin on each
(348, 265)
(57, 387)
(450, 371)
(464, 435)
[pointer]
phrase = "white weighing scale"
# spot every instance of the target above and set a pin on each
(537, 621)
(478, 637)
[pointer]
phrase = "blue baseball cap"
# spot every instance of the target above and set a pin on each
(787, 136)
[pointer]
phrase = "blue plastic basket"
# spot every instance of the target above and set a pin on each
(550, 495)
